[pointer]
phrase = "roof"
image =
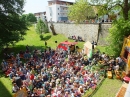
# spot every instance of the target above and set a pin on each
(40, 12)
(88, 44)
(68, 43)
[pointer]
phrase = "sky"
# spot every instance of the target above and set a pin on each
(34, 6)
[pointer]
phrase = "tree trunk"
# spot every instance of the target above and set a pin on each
(52, 29)
(125, 10)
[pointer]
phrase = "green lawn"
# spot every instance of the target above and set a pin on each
(32, 39)
(5, 86)
(109, 88)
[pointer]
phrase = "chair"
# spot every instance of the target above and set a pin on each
(118, 76)
(109, 74)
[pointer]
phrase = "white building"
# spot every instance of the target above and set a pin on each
(57, 10)
(40, 15)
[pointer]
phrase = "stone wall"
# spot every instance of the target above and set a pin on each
(103, 33)
(88, 32)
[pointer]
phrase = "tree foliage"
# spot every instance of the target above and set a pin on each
(41, 27)
(79, 11)
(31, 18)
(120, 27)
(119, 30)
(23, 17)
(112, 6)
(12, 27)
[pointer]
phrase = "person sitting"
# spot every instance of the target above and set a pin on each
(117, 75)
(15, 88)
(110, 68)
(116, 68)
(74, 37)
(80, 38)
(128, 74)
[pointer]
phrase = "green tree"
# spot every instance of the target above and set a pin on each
(31, 18)
(110, 6)
(80, 11)
(12, 28)
(41, 27)
(23, 17)
(121, 27)
(119, 30)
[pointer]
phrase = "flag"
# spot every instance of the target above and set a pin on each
(90, 53)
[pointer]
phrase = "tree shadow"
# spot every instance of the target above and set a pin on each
(16, 49)
(46, 37)
(2, 74)
(4, 91)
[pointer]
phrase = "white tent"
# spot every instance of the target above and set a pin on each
(87, 47)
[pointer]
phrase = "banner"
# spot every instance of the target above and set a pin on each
(90, 53)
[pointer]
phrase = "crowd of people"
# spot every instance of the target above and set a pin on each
(53, 73)
(78, 38)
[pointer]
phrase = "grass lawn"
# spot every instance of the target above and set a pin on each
(32, 39)
(109, 88)
(5, 86)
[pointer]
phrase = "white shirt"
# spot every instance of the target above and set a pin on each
(116, 67)
(119, 59)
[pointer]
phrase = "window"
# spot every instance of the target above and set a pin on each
(58, 8)
(58, 13)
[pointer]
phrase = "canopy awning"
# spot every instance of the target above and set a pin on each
(69, 43)
(64, 45)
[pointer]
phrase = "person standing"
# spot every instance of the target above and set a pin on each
(27, 48)
(45, 44)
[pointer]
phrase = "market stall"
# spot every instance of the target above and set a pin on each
(66, 45)
(88, 48)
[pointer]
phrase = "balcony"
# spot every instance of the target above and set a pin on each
(64, 11)
(64, 5)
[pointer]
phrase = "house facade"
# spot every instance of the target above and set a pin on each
(40, 15)
(57, 10)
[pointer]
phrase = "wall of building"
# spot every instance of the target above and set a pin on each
(89, 32)
(56, 11)
(51, 13)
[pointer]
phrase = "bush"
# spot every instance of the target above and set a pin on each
(119, 30)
